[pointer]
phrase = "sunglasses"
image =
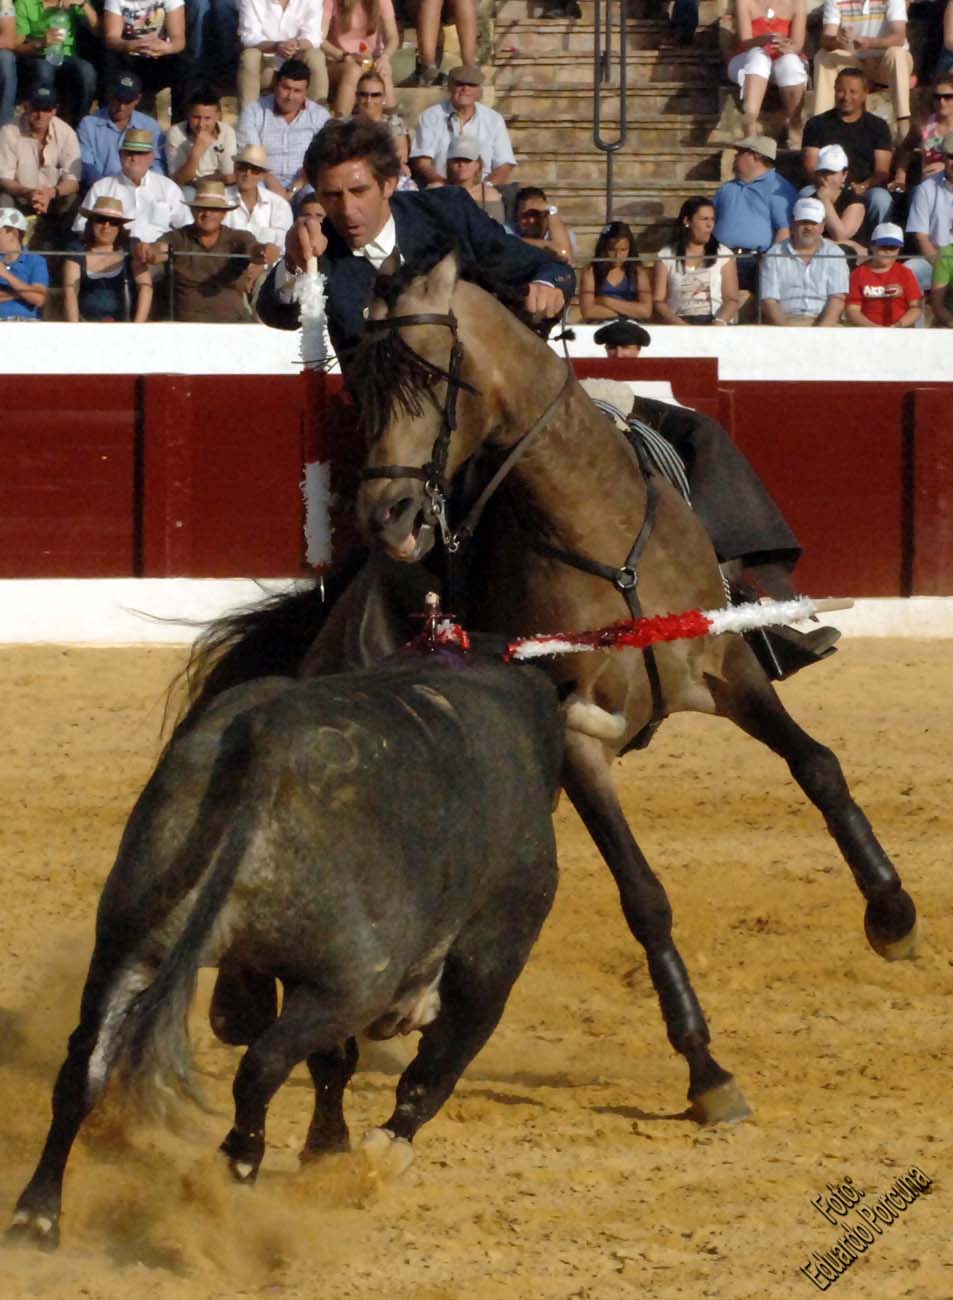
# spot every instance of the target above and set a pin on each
(370, 94)
(107, 221)
(936, 97)
(247, 167)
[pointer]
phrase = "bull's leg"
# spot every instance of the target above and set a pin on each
(244, 1004)
(747, 697)
(331, 1072)
(304, 1027)
(714, 1095)
(92, 1051)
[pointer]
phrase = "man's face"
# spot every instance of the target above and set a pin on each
(203, 117)
(135, 165)
(531, 218)
(614, 350)
(948, 168)
(464, 95)
(807, 234)
(747, 165)
(850, 96)
(40, 119)
(9, 239)
(290, 96)
(883, 255)
(357, 204)
(248, 176)
(120, 113)
(208, 221)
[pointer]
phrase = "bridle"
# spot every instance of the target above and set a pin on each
(433, 473)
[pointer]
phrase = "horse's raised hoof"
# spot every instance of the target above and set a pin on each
(388, 1156)
(892, 927)
(905, 948)
(30, 1228)
(724, 1104)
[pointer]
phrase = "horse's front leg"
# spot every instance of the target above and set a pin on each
(747, 697)
(714, 1095)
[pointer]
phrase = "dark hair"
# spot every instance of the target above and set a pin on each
(528, 192)
(346, 138)
(600, 262)
(680, 234)
(293, 70)
(122, 238)
(851, 72)
(204, 95)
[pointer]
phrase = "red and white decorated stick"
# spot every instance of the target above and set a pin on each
(642, 632)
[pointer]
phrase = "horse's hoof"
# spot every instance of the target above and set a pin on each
(388, 1156)
(30, 1228)
(309, 1155)
(903, 949)
(724, 1104)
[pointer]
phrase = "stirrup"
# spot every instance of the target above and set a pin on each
(783, 651)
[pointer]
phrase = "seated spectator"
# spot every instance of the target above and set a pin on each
(369, 101)
(931, 216)
(99, 283)
(266, 215)
(863, 136)
(919, 155)
(211, 290)
(882, 291)
(283, 124)
(152, 201)
(359, 38)
(23, 276)
(203, 147)
(872, 37)
(615, 283)
(770, 45)
(695, 280)
(537, 222)
(148, 39)
(101, 132)
(429, 16)
(845, 211)
(753, 211)
(804, 279)
(941, 292)
(945, 62)
(271, 32)
(461, 113)
(465, 168)
(39, 160)
(8, 61)
(46, 51)
(622, 338)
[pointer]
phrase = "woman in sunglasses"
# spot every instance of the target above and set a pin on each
(370, 101)
(99, 283)
(920, 155)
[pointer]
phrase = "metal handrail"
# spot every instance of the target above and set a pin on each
(602, 60)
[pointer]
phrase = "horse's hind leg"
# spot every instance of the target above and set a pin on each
(747, 697)
(331, 1072)
(92, 1051)
(714, 1095)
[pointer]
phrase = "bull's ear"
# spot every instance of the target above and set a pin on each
(442, 280)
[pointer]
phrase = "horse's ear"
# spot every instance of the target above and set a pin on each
(442, 280)
(377, 310)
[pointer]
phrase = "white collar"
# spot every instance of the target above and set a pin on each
(378, 250)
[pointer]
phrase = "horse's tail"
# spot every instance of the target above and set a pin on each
(268, 639)
(157, 1053)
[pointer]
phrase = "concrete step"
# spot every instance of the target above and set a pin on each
(694, 69)
(531, 37)
(554, 168)
(639, 10)
(643, 201)
(670, 133)
(574, 103)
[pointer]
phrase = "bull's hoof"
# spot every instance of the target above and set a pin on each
(386, 1155)
(903, 949)
(724, 1104)
(27, 1227)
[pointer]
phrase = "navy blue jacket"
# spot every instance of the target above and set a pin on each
(424, 223)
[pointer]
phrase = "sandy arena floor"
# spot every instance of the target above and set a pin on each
(564, 1166)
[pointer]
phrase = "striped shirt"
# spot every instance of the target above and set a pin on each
(284, 142)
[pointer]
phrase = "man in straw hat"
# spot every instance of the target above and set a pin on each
(753, 210)
(258, 209)
(152, 201)
(212, 267)
(461, 113)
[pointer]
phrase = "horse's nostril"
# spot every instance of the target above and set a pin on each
(389, 514)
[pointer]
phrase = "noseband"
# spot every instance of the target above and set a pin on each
(433, 473)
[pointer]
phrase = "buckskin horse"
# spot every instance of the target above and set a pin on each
(380, 841)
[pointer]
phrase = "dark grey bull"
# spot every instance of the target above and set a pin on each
(379, 841)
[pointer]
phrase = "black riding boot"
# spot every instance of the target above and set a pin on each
(781, 651)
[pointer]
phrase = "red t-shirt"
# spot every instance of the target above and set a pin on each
(883, 296)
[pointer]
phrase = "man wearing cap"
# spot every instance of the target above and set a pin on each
(883, 292)
(753, 211)
(100, 133)
(264, 214)
(203, 147)
(845, 211)
(369, 228)
(210, 290)
(23, 276)
(872, 36)
(461, 113)
(621, 339)
(284, 123)
(46, 50)
(804, 279)
(39, 159)
(864, 137)
(152, 201)
(931, 216)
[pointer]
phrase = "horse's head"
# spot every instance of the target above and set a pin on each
(425, 388)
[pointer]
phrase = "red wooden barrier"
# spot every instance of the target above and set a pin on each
(931, 558)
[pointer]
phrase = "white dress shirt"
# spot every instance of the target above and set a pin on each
(269, 220)
(378, 250)
(155, 204)
(263, 22)
(440, 124)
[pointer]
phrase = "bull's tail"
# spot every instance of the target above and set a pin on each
(157, 1053)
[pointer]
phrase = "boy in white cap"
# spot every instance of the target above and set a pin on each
(804, 279)
(883, 292)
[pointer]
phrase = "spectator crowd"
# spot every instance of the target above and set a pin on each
(138, 224)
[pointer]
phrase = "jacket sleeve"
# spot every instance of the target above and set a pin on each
(271, 310)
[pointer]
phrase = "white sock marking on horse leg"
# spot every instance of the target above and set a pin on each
(588, 718)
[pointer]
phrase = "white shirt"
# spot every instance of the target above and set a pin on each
(269, 220)
(155, 204)
(378, 250)
(142, 17)
(219, 160)
(439, 124)
(261, 21)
